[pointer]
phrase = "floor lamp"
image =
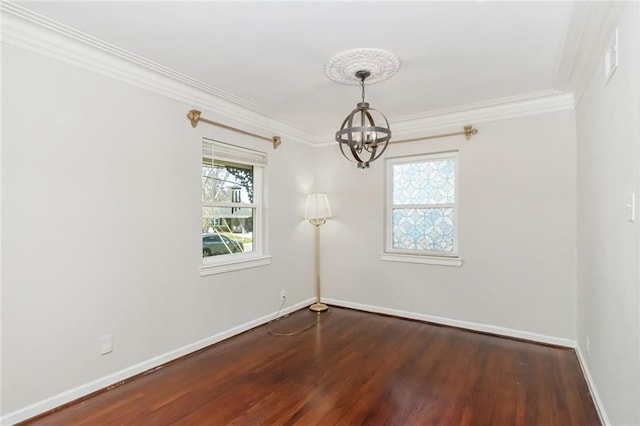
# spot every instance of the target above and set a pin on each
(316, 211)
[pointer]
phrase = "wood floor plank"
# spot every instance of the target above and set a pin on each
(352, 368)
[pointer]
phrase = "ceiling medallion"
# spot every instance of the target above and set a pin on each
(381, 65)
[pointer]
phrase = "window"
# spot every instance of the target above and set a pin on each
(232, 212)
(421, 212)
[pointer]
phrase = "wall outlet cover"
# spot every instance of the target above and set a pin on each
(106, 344)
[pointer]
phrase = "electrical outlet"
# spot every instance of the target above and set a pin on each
(283, 295)
(106, 344)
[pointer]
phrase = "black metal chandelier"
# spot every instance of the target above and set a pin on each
(365, 133)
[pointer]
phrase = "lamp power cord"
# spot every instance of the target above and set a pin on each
(292, 333)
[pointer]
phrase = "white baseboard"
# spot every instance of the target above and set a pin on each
(493, 330)
(592, 387)
(456, 323)
(87, 388)
(80, 391)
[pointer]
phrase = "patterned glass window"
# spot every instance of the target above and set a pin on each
(421, 213)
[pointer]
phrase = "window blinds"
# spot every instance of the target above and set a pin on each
(222, 151)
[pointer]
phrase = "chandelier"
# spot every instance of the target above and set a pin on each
(365, 133)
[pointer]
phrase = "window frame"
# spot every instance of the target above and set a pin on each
(222, 151)
(414, 256)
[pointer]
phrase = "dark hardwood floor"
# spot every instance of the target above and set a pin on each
(354, 368)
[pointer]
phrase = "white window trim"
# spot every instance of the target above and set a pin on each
(258, 257)
(411, 256)
(424, 259)
(234, 262)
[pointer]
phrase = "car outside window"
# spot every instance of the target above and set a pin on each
(232, 206)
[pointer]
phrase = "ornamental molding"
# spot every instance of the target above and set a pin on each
(496, 109)
(528, 104)
(382, 65)
(30, 31)
(26, 30)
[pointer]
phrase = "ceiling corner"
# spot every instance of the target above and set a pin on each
(589, 28)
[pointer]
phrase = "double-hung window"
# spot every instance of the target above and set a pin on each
(232, 208)
(422, 210)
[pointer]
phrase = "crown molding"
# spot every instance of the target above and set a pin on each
(590, 27)
(27, 30)
(30, 31)
(493, 110)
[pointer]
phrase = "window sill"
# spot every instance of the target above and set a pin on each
(427, 260)
(236, 264)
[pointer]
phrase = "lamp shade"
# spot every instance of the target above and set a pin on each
(317, 207)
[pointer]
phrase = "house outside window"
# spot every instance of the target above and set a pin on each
(232, 208)
(422, 209)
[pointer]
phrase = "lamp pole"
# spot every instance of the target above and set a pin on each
(318, 306)
(317, 210)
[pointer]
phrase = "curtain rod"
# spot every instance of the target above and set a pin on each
(467, 132)
(195, 118)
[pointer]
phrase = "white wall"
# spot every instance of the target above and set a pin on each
(100, 230)
(517, 231)
(608, 134)
(100, 220)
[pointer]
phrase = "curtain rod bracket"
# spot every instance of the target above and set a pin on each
(194, 117)
(468, 131)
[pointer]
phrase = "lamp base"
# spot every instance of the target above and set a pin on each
(318, 307)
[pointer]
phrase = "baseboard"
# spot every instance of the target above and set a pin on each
(492, 329)
(104, 382)
(592, 387)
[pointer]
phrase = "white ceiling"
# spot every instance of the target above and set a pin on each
(271, 55)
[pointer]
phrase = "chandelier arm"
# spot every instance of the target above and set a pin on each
(343, 153)
(372, 125)
(357, 129)
(357, 158)
(384, 148)
(363, 116)
(356, 155)
(386, 140)
(354, 150)
(341, 141)
(349, 141)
